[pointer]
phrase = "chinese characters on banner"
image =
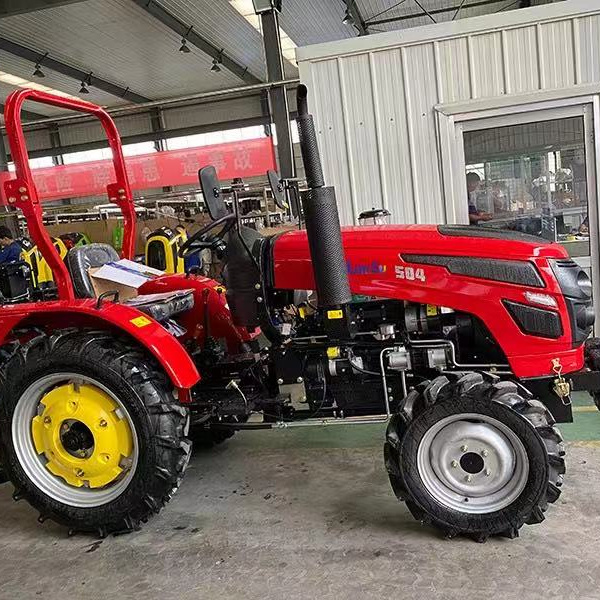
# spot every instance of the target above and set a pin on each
(247, 158)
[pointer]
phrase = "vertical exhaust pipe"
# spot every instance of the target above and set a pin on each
(322, 220)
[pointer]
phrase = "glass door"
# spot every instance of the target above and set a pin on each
(532, 172)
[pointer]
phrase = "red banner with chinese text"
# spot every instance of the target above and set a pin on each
(247, 158)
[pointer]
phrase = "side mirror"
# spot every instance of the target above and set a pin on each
(277, 189)
(211, 190)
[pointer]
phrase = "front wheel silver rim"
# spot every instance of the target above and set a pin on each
(28, 406)
(472, 463)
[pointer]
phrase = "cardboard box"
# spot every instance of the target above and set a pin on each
(124, 277)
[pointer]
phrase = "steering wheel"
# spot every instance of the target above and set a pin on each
(201, 239)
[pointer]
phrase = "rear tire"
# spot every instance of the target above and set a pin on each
(474, 457)
(147, 424)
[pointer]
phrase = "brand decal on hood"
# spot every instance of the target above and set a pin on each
(365, 268)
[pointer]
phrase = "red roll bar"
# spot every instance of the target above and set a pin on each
(22, 193)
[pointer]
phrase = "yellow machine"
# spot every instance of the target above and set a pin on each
(31, 256)
(162, 249)
(40, 270)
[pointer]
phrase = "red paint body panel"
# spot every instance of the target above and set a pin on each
(153, 336)
(379, 249)
(220, 322)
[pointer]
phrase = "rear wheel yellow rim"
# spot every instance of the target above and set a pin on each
(75, 439)
(82, 434)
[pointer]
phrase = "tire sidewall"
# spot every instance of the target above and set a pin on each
(494, 522)
(15, 385)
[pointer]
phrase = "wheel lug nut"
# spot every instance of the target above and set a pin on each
(454, 464)
(484, 453)
(79, 473)
(487, 472)
(464, 448)
(103, 423)
(47, 420)
(468, 478)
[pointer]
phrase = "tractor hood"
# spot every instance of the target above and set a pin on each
(386, 248)
(470, 269)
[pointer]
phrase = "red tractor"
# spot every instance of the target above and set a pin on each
(466, 341)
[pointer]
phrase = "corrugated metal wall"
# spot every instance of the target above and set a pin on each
(374, 97)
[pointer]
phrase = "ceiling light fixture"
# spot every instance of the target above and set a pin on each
(348, 18)
(184, 48)
(218, 60)
(37, 71)
(85, 83)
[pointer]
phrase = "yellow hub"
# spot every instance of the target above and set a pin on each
(83, 435)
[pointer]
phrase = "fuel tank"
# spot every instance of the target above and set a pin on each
(476, 270)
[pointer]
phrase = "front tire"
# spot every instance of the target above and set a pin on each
(474, 458)
(90, 432)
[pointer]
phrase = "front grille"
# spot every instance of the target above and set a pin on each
(577, 297)
(509, 271)
(535, 321)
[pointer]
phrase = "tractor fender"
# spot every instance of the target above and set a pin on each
(147, 332)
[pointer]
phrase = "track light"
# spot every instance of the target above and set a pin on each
(184, 48)
(218, 60)
(37, 71)
(85, 83)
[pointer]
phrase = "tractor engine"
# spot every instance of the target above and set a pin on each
(392, 338)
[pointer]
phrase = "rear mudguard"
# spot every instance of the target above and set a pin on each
(209, 295)
(150, 335)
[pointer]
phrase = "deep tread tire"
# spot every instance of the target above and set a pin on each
(529, 419)
(138, 381)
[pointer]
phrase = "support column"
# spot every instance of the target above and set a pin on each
(280, 115)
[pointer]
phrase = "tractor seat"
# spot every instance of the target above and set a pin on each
(161, 307)
(80, 259)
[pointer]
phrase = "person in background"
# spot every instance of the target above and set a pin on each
(10, 250)
(475, 215)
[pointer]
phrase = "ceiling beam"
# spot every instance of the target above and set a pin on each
(357, 19)
(436, 11)
(194, 38)
(60, 67)
(20, 7)
(26, 114)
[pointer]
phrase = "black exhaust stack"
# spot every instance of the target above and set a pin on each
(322, 226)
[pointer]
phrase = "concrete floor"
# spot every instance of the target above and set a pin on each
(309, 514)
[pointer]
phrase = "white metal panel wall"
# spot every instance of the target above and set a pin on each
(374, 97)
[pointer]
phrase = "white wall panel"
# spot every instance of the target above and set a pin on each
(521, 60)
(397, 182)
(589, 56)
(453, 69)
(359, 121)
(488, 67)
(558, 64)
(326, 102)
(391, 158)
(421, 94)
